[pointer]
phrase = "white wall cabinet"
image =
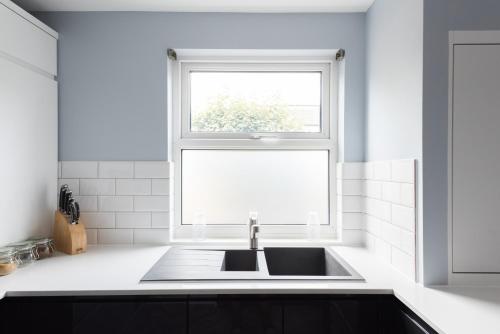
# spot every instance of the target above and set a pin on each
(474, 155)
(28, 125)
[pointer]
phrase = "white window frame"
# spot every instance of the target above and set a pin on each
(183, 139)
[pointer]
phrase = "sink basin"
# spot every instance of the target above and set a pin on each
(302, 262)
(240, 260)
(271, 263)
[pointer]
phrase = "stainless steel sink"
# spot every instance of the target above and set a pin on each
(270, 263)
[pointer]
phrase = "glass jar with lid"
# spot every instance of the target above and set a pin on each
(8, 260)
(25, 252)
(44, 247)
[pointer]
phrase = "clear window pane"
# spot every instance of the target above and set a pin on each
(251, 102)
(282, 186)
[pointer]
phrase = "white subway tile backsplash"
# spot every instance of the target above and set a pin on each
(354, 237)
(408, 194)
(352, 187)
(91, 236)
(403, 171)
(352, 171)
(151, 169)
(368, 171)
(403, 217)
(388, 204)
(79, 169)
(108, 192)
(403, 262)
(382, 170)
(373, 225)
(391, 192)
(87, 203)
(97, 186)
(116, 169)
(391, 234)
(160, 219)
(151, 203)
(407, 242)
(353, 221)
(133, 187)
(115, 236)
(133, 220)
(151, 236)
(372, 189)
(378, 208)
(73, 184)
(352, 204)
(370, 240)
(383, 249)
(98, 219)
(116, 203)
(160, 186)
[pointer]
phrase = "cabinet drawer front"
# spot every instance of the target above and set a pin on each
(25, 41)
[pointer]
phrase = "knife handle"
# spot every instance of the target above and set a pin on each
(77, 211)
(67, 197)
(72, 211)
(62, 196)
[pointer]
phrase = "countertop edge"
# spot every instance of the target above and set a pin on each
(203, 291)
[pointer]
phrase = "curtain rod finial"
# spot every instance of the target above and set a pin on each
(340, 55)
(172, 55)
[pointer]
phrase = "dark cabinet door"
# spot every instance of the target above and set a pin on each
(221, 315)
(354, 316)
(130, 317)
(332, 315)
(35, 315)
(408, 323)
(306, 316)
(399, 319)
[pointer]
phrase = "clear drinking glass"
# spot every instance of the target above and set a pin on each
(313, 226)
(199, 226)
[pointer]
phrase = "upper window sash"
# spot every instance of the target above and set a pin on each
(322, 67)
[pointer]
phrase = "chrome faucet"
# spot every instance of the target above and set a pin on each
(254, 229)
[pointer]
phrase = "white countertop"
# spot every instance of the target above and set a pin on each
(117, 270)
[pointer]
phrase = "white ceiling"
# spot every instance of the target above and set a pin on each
(253, 6)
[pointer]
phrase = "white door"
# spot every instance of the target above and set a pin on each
(475, 158)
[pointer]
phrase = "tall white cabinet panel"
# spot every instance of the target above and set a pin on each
(475, 158)
(28, 128)
(32, 44)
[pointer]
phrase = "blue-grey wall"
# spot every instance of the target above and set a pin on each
(441, 16)
(394, 80)
(112, 95)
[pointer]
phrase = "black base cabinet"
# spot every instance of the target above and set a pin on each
(235, 315)
(216, 314)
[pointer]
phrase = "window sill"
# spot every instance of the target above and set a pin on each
(262, 242)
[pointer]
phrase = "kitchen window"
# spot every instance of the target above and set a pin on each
(253, 131)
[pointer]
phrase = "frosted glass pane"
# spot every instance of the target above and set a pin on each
(282, 186)
(249, 102)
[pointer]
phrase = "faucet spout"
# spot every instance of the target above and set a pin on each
(253, 231)
(254, 241)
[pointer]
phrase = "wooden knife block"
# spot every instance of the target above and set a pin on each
(69, 238)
